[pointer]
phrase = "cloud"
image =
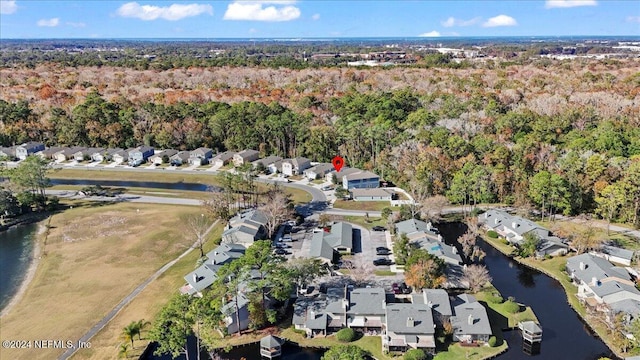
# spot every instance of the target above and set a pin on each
(315, 16)
(76, 24)
(172, 13)
(500, 20)
(49, 22)
(635, 19)
(430, 34)
(451, 21)
(551, 4)
(8, 7)
(258, 11)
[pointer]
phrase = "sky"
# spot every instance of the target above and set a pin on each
(30, 19)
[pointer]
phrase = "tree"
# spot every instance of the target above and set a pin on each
(129, 332)
(423, 270)
(123, 351)
(172, 327)
(344, 352)
(401, 247)
(415, 354)
(31, 175)
(611, 198)
(8, 204)
(433, 206)
(303, 271)
(217, 205)
(476, 276)
(141, 325)
(586, 239)
(324, 220)
(277, 208)
(231, 278)
(530, 245)
(197, 225)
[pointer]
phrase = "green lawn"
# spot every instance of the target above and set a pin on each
(503, 318)
(360, 220)
(457, 352)
(361, 205)
(384, 273)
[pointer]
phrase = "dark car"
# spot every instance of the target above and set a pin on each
(382, 248)
(382, 261)
(383, 252)
(281, 251)
(404, 288)
(283, 245)
(396, 289)
(378, 228)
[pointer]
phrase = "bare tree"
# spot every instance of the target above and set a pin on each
(433, 206)
(476, 276)
(361, 272)
(277, 208)
(217, 206)
(197, 225)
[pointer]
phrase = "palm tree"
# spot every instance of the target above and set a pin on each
(123, 352)
(129, 331)
(141, 325)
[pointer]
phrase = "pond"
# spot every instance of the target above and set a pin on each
(143, 184)
(16, 246)
(565, 336)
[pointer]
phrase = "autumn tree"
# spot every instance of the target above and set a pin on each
(277, 208)
(476, 276)
(423, 270)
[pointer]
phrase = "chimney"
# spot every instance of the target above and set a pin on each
(429, 304)
(195, 277)
(454, 250)
(583, 266)
(594, 281)
(429, 225)
(312, 314)
(514, 225)
(495, 221)
(470, 319)
(410, 322)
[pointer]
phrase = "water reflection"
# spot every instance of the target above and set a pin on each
(525, 277)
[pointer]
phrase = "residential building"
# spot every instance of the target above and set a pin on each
(205, 274)
(338, 175)
(360, 180)
(514, 229)
(86, 154)
(140, 155)
(223, 158)
(120, 157)
(371, 194)
(158, 157)
(276, 167)
(230, 317)
(182, 157)
(366, 309)
(615, 254)
(409, 326)
(200, 156)
(106, 155)
(28, 148)
(324, 244)
(295, 166)
(8, 152)
(245, 156)
(318, 171)
(266, 162)
(48, 153)
(245, 228)
(470, 320)
(68, 153)
(424, 235)
(438, 301)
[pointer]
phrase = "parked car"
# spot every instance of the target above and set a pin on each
(404, 288)
(286, 238)
(280, 251)
(396, 288)
(382, 248)
(378, 228)
(283, 245)
(383, 252)
(382, 261)
(326, 188)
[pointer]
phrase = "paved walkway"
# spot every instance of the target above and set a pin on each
(102, 323)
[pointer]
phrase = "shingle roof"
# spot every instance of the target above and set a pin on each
(341, 235)
(410, 319)
(270, 341)
(618, 252)
(439, 249)
(320, 248)
(367, 301)
(471, 319)
(224, 156)
(627, 306)
(182, 155)
(360, 175)
(594, 267)
(201, 278)
(267, 161)
(439, 300)
(410, 226)
(370, 192)
(321, 168)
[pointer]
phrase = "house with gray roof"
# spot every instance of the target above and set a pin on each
(325, 244)
(158, 157)
(223, 158)
(8, 152)
(409, 326)
(229, 313)
(245, 156)
(120, 157)
(340, 174)
(470, 320)
(182, 157)
(318, 171)
(438, 301)
(266, 162)
(140, 155)
(424, 235)
(68, 153)
(106, 155)
(200, 156)
(366, 309)
(371, 194)
(87, 154)
(48, 153)
(361, 180)
(514, 228)
(28, 148)
(245, 228)
(198, 280)
(295, 166)
(615, 254)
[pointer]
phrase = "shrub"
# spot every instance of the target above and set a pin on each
(492, 234)
(346, 335)
(511, 306)
(492, 341)
(415, 354)
(495, 299)
(504, 241)
(300, 332)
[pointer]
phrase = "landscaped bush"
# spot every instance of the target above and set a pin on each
(504, 241)
(492, 234)
(300, 332)
(511, 306)
(415, 354)
(492, 341)
(495, 299)
(346, 335)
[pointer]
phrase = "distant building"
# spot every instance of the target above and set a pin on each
(29, 148)
(158, 158)
(318, 171)
(360, 180)
(295, 166)
(245, 156)
(325, 244)
(371, 195)
(223, 158)
(200, 156)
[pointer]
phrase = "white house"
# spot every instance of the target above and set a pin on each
(295, 166)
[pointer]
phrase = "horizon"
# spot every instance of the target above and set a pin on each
(293, 19)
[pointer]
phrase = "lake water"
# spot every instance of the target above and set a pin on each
(16, 245)
(144, 184)
(565, 336)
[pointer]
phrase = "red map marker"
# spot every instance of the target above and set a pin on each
(338, 162)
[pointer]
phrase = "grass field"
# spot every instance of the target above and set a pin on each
(359, 220)
(298, 196)
(93, 256)
(361, 205)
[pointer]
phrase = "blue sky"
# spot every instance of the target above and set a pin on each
(315, 18)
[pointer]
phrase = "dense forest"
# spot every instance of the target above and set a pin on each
(563, 136)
